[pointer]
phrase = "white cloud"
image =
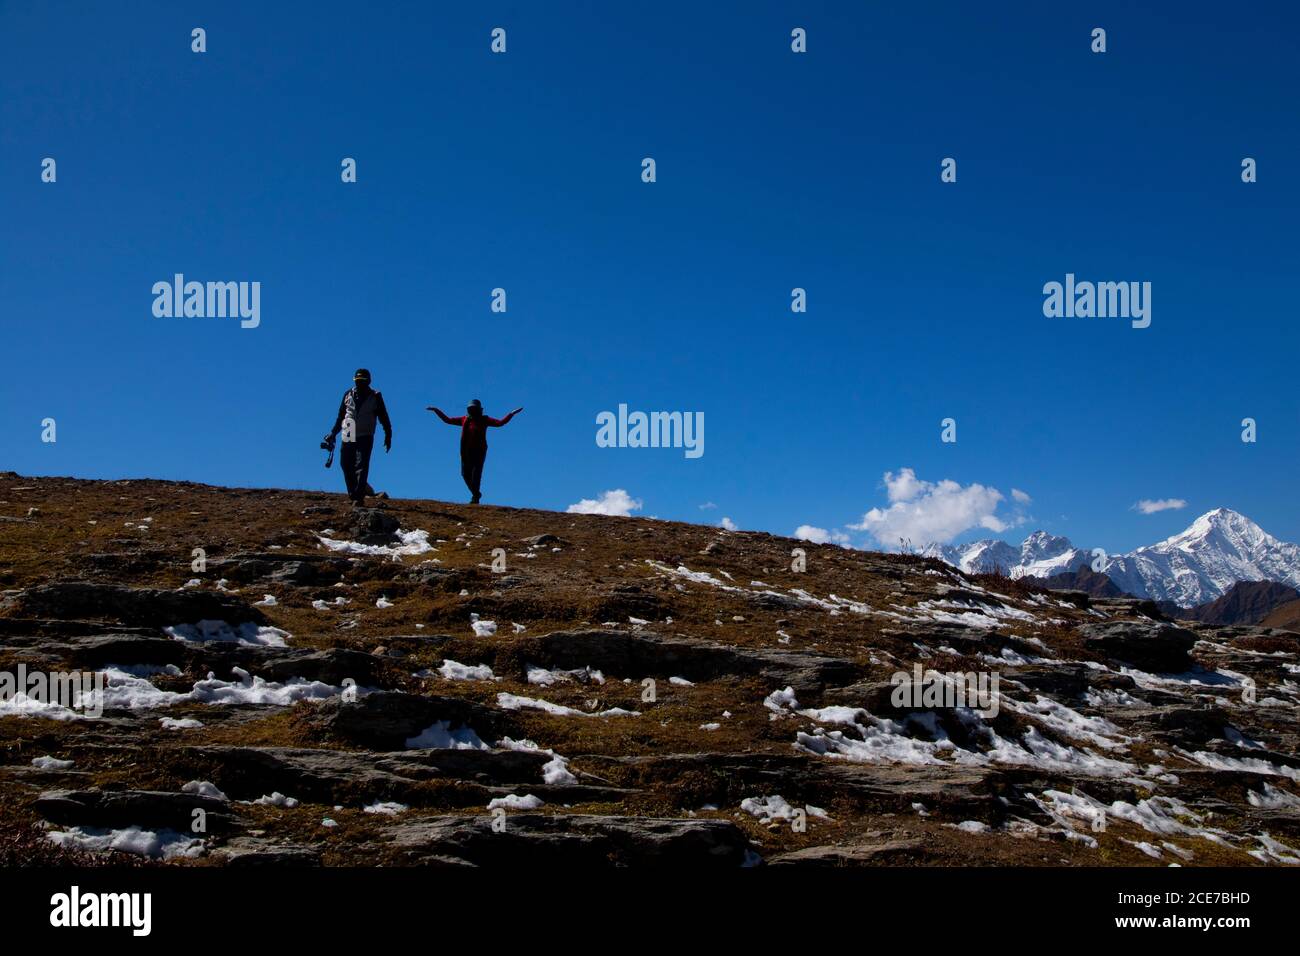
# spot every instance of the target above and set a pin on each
(707, 505)
(1149, 507)
(927, 511)
(904, 486)
(727, 524)
(1020, 496)
(806, 532)
(617, 503)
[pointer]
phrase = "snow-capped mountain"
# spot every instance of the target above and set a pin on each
(977, 557)
(1041, 555)
(1219, 549)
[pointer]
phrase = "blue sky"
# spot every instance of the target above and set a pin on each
(774, 171)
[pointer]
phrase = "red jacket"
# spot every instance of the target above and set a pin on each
(473, 431)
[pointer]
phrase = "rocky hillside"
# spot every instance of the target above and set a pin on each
(1085, 579)
(1286, 617)
(1246, 602)
(426, 683)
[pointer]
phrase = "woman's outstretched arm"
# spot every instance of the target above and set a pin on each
(498, 422)
(449, 421)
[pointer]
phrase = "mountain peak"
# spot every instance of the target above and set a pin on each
(1045, 538)
(1041, 546)
(1197, 565)
(1223, 516)
(1219, 527)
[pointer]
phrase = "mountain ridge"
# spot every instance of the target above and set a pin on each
(1196, 566)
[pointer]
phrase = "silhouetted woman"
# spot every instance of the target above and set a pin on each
(473, 442)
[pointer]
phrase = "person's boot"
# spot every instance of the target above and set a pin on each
(475, 499)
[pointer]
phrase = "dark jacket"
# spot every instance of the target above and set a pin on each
(364, 411)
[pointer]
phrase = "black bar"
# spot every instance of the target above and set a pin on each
(190, 903)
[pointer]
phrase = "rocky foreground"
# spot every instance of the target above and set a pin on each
(324, 686)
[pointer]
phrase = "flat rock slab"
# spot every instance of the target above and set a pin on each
(645, 654)
(99, 650)
(1146, 645)
(453, 580)
(387, 719)
(853, 854)
(971, 640)
(726, 779)
(1067, 680)
(317, 776)
(41, 627)
(970, 792)
(1139, 607)
(255, 851)
(145, 607)
(1182, 726)
(281, 567)
(278, 664)
(144, 808)
(536, 840)
(331, 776)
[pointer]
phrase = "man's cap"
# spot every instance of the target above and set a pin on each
(362, 375)
(475, 404)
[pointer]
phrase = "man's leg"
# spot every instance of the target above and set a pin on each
(348, 465)
(365, 445)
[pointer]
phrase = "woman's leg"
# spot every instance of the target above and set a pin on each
(467, 473)
(476, 475)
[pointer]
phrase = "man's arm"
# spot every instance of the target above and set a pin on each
(458, 420)
(382, 414)
(338, 420)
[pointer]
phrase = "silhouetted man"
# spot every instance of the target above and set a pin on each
(361, 407)
(473, 442)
